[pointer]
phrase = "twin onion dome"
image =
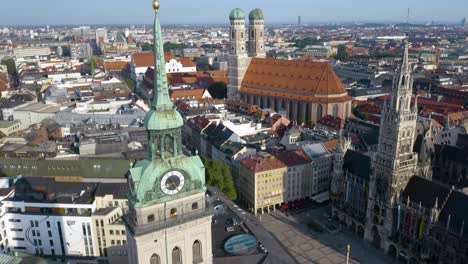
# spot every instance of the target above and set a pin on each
(239, 14)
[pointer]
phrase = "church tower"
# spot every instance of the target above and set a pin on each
(238, 59)
(169, 220)
(394, 163)
(256, 34)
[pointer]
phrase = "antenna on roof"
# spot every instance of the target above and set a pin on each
(408, 16)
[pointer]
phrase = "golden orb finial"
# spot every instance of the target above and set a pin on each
(156, 5)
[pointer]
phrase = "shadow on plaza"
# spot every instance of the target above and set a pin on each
(333, 241)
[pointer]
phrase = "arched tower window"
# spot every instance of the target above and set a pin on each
(197, 252)
(319, 112)
(169, 146)
(176, 256)
(155, 259)
(173, 213)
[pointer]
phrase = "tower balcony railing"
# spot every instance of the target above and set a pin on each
(173, 220)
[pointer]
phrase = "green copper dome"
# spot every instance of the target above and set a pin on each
(162, 120)
(237, 14)
(256, 14)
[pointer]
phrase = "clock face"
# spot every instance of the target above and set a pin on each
(172, 182)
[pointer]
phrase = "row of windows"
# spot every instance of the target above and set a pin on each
(173, 213)
(118, 242)
(117, 232)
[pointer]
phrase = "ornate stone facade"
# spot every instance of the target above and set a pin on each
(394, 163)
(238, 59)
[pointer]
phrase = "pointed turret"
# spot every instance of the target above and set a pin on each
(403, 87)
(163, 114)
(337, 175)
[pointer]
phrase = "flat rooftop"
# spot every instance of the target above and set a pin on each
(41, 108)
(7, 124)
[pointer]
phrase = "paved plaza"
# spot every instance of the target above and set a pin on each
(308, 246)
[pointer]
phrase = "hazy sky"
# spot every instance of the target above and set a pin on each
(216, 11)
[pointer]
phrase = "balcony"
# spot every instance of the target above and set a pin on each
(169, 222)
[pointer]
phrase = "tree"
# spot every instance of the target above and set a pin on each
(219, 175)
(66, 51)
(341, 52)
(147, 47)
(302, 43)
(218, 90)
(92, 66)
(131, 84)
(11, 66)
(169, 46)
(229, 188)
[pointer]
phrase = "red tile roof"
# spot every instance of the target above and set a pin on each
(276, 161)
(179, 94)
(293, 158)
(146, 59)
(4, 84)
(332, 122)
(114, 65)
(298, 80)
(261, 164)
(186, 62)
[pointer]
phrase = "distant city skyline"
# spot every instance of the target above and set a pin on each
(52, 12)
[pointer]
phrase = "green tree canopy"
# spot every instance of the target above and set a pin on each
(168, 46)
(131, 84)
(66, 51)
(11, 66)
(219, 175)
(147, 47)
(341, 53)
(218, 90)
(302, 43)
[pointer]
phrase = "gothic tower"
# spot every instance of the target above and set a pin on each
(238, 59)
(256, 34)
(337, 181)
(169, 218)
(394, 163)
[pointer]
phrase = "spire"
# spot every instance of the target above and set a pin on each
(161, 100)
(403, 88)
(339, 148)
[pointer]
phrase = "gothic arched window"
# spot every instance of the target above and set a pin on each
(176, 256)
(155, 259)
(169, 144)
(197, 251)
